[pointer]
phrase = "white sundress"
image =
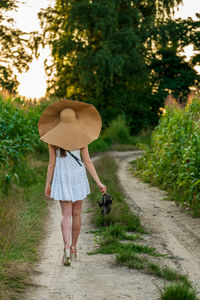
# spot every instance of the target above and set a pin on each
(70, 182)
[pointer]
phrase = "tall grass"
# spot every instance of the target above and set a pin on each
(179, 292)
(172, 161)
(22, 216)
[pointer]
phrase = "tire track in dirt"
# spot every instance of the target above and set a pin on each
(172, 229)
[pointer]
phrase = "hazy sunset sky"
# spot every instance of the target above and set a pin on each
(33, 83)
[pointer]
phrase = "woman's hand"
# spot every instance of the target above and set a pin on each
(102, 188)
(48, 190)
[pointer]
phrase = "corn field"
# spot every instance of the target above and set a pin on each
(173, 158)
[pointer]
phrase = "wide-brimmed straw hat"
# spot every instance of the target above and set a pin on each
(69, 124)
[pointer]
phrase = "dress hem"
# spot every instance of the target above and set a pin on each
(70, 199)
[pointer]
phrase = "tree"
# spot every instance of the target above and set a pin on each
(102, 53)
(14, 45)
(169, 70)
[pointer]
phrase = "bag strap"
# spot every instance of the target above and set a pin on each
(76, 158)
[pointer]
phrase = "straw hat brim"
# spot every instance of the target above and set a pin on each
(72, 135)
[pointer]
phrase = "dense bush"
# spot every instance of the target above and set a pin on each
(117, 132)
(173, 159)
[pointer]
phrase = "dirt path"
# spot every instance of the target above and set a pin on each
(96, 276)
(172, 230)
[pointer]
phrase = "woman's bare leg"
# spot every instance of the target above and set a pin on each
(76, 221)
(66, 208)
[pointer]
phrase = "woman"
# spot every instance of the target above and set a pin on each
(70, 208)
(68, 127)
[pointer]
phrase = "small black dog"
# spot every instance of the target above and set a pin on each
(105, 204)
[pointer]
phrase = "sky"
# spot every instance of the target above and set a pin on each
(33, 82)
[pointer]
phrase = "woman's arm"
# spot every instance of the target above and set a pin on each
(50, 170)
(90, 167)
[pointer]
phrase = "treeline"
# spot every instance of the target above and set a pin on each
(122, 56)
(172, 161)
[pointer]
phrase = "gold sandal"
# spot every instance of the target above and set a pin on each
(66, 257)
(73, 253)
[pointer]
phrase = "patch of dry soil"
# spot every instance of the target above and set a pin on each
(96, 276)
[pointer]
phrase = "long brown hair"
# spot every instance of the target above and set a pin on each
(62, 151)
